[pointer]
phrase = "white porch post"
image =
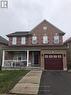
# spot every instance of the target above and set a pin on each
(27, 58)
(3, 57)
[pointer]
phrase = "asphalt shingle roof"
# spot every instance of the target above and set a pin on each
(26, 33)
(68, 40)
(3, 40)
(19, 33)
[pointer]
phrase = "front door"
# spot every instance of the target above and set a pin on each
(36, 58)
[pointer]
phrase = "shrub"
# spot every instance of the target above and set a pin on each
(69, 66)
(0, 67)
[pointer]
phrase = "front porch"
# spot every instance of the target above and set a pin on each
(20, 59)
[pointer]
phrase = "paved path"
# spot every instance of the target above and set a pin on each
(55, 83)
(29, 84)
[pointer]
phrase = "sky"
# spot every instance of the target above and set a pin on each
(22, 15)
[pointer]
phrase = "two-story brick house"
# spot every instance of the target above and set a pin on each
(41, 47)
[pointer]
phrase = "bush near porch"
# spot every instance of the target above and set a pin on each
(9, 78)
(69, 66)
(0, 67)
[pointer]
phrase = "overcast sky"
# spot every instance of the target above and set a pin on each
(24, 15)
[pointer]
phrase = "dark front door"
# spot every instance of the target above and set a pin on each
(36, 58)
(53, 62)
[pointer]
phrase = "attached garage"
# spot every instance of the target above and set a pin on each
(53, 61)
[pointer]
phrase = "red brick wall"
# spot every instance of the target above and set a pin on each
(50, 32)
(10, 41)
(18, 40)
(39, 32)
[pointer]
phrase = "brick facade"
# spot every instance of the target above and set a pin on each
(48, 48)
(40, 32)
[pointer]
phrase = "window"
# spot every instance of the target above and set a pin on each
(44, 27)
(46, 56)
(56, 39)
(50, 56)
(19, 57)
(55, 56)
(14, 40)
(34, 39)
(45, 39)
(23, 40)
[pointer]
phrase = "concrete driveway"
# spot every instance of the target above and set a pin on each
(55, 83)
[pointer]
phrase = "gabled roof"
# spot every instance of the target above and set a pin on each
(19, 33)
(68, 40)
(26, 33)
(45, 22)
(3, 40)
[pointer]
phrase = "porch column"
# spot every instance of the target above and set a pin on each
(27, 58)
(3, 57)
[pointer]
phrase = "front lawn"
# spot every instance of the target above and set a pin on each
(9, 78)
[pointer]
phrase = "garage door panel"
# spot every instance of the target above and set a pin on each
(53, 62)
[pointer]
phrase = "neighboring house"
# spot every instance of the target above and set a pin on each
(3, 43)
(41, 47)
(67, 43)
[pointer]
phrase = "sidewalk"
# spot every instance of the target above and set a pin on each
(29, 84)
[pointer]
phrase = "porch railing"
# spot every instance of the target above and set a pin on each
(19, 63)
(15, 63)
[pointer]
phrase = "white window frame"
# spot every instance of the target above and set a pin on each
(34, 40)
(44, 27)
(45, 39)
(23, 40)
(14, 41)
(56, 39)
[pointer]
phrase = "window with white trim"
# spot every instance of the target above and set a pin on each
(45, 39)
(14, 40)
(56, 39)
(44, 27)
(34, 39)
(23, 40)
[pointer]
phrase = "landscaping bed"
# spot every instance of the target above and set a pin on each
(8, 78)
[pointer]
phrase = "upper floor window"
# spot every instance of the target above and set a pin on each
(23, 40)
(34, 39)
(44, 27)
(14, 40)
(56, 39)
(45, 39)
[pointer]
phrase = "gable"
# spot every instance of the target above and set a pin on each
(50, 28)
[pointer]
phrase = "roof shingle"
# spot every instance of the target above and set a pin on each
(3, 40)
(68, 40)
(19, 33)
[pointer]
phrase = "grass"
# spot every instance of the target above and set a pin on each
(9, 78)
